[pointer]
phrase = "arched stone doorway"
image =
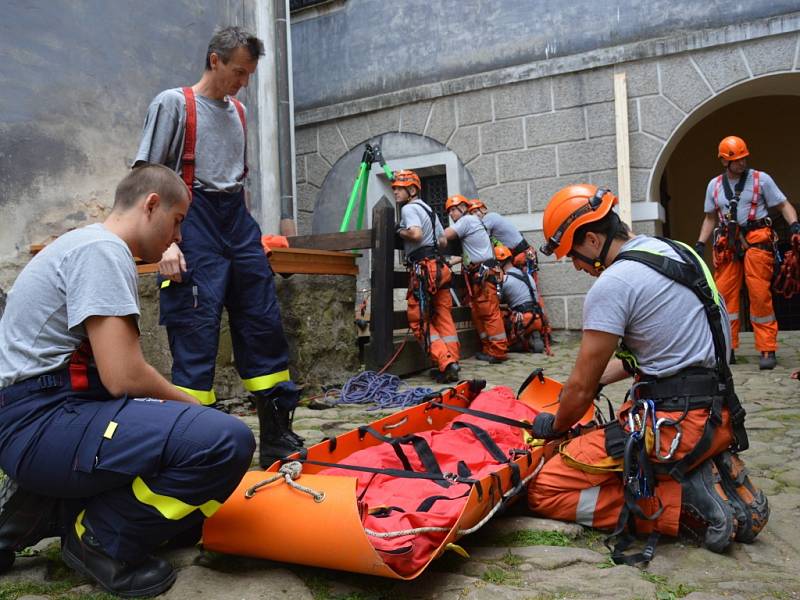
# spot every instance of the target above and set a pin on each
(765, 112)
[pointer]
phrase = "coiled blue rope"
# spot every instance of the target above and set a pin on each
(383, 389)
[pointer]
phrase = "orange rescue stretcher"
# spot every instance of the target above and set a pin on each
(309, 512)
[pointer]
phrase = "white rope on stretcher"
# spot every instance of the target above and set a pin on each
(460, 532)
(288, 472)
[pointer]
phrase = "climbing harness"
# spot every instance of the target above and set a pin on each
(787, 280)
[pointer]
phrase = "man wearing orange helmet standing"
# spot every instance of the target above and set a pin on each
(480, 273)
(668, 461)
(429, 300)
(736, 204)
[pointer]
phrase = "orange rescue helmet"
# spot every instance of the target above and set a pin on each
(455, 200)
(732, 148)
(502, 253)
(476, 204)
(406, 178)
(568, 209)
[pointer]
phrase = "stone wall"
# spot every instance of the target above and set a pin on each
(521, 141)
(318, 325)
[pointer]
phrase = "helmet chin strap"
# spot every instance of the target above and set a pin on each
(597, 263)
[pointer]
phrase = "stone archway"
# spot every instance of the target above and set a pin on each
(764, 110)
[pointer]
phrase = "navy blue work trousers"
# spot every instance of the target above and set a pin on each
(227, 267)
(140, 470)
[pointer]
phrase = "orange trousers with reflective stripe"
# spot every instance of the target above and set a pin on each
(567, 493)
(443, 348)
(485, 309)
(520, 333)
(756, 271)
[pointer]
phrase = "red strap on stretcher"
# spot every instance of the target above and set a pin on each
(79, 366)
(190, 136)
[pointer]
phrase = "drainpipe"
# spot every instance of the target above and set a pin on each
(283, 73)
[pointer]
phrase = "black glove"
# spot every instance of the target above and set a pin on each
(700, 248)
(543, 427)
(794, 228)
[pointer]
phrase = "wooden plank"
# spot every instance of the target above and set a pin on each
(381, 345)
(348, 240)
(286, 261)
(623, 147)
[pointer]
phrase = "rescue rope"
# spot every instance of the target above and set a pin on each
(461, 532)
(288, 472)
(384, 389)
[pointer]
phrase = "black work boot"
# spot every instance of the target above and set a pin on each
(449, 375)
(704, 500)
(149, 577)
(536, 343)
(767, 361)
(25, 519)
(276, 440)
(750, 504)
(732, 360)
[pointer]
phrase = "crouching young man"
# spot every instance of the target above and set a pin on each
(134, 460)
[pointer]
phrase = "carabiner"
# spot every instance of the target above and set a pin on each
(675, 441)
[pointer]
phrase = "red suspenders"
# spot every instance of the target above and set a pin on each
(753, 203)
(190, 137)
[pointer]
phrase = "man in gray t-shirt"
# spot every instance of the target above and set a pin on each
(85, 417)
(429, 303)
(481, 274)
(743, 241)
(658, 299)
(220, 263)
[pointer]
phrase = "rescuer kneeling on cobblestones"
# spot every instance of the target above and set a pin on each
(670, 461)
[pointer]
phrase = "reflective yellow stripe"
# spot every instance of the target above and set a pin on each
(265, 382)
(165, 283)
(204, 397)
(170, 508)
(79, 528)
(112, 427)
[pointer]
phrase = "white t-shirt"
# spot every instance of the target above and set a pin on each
(474, 238)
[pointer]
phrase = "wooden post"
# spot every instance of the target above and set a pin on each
(381, 345)
(623, 147)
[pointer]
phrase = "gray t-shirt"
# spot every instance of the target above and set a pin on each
(219, 151)
(515, 292)
(502, 230)
(86, 272)
(417, 214)
(662, 322)
(769, 195)
(474, 238)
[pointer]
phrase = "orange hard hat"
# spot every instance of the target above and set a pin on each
(732, 148)
(406, 178)
(568, 209)
(475, 204)
(455, 201)
(502, 253)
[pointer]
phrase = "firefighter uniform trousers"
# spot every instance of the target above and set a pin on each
(580, 484)
(227, 267)
(486, 317)
(756, 270)
(443, 344)
(137, 471)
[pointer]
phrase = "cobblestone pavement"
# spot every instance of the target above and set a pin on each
(517, 556)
